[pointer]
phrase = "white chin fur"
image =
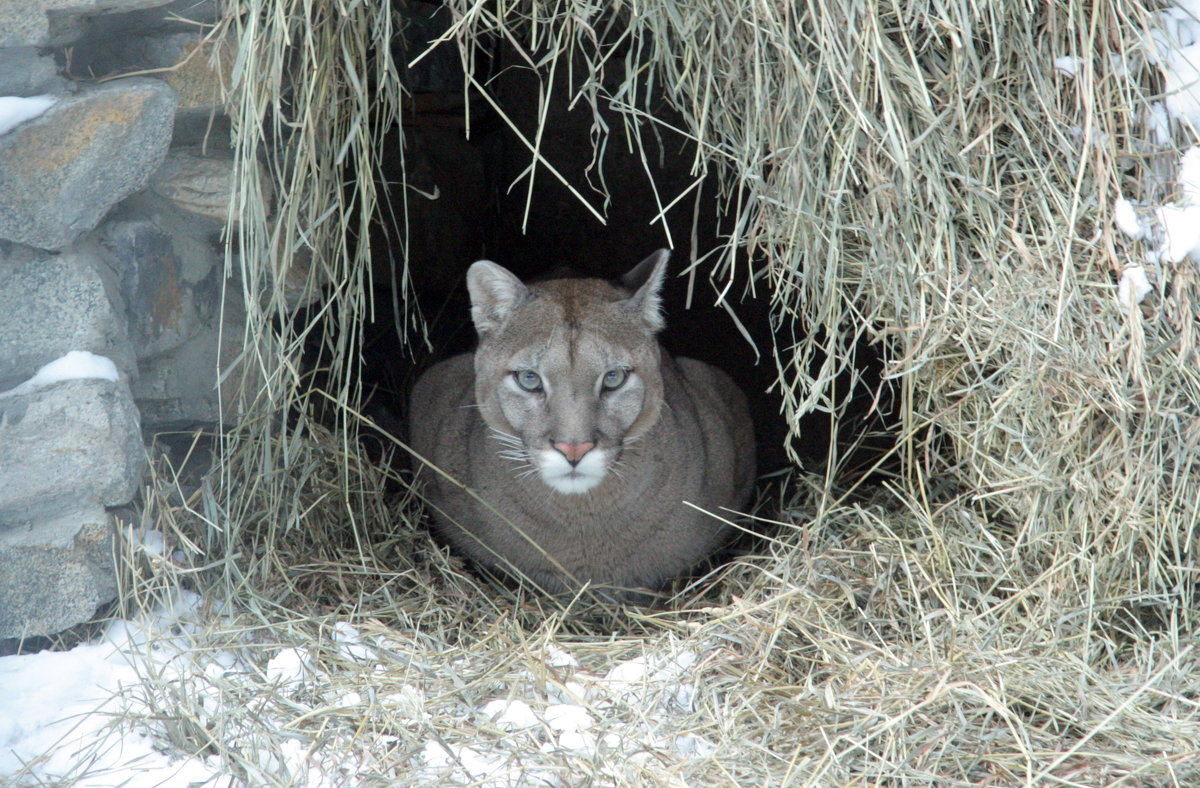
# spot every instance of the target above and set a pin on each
(561, 477)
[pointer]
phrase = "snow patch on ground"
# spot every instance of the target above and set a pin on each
(1133, 286)
(60, 712)
(1067, 65)
(89, 716)
(1173, 228)
(1126, 219)
(1174, 46)
(1176, 224)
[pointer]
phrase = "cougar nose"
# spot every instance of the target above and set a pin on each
(574, 451)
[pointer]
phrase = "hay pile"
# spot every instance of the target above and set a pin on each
(1015, 606)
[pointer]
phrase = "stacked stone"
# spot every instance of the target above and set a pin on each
(112, 201)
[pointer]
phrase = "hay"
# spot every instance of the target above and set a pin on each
(1015, 608)
(865, 647)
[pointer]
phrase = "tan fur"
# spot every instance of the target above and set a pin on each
(677, 430)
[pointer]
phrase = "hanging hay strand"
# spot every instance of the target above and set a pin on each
(1016, 606)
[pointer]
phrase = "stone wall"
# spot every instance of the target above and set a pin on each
(113, 192)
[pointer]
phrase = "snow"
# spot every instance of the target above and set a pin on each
(289, 666)
(1067, 65)
(152, 541)
(1133, 286)
(59, 711)
(409, 704)
(1181, 232)
(1174, 46)
(15, 110)
(560, 658)
(87, 717)
(75, 365)
(568, 718)
(1158, 124)
(1126, 219)
(511, 715)
(1189, 175)
(1177, 223)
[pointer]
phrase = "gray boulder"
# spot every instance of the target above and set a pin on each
(55, 573)
(72, 444)
(100, 24)
(163, 270)
(61, 172)
(43, 23)
(23, 72)
(204, 185)
(198, 381)
(51, 304)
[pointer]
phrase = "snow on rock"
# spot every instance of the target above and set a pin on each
(75, 365)
(15, 110)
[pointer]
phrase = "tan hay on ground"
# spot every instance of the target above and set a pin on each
(1016, 609)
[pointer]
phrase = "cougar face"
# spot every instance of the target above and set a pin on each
(567, 372)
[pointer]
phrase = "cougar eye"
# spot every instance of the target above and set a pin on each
(614, 378)
(528, 380)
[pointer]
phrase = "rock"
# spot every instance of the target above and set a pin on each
(61, 172)
(43, 23)
(54, 303)
(180, 387)
(24, 23)
(195, 70)
(57, 572)
(164, 271)
(202, 185)
(103, 23)
(23, 72)
(71, 444)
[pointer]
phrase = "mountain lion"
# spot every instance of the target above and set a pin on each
(580, 437)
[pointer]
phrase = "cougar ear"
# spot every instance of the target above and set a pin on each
(646, 281)
(495, 293)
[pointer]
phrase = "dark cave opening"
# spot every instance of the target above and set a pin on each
(465, 177)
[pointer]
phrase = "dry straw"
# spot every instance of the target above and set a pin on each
(1015, 606)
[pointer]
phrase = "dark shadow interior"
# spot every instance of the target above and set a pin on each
(469, 197)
